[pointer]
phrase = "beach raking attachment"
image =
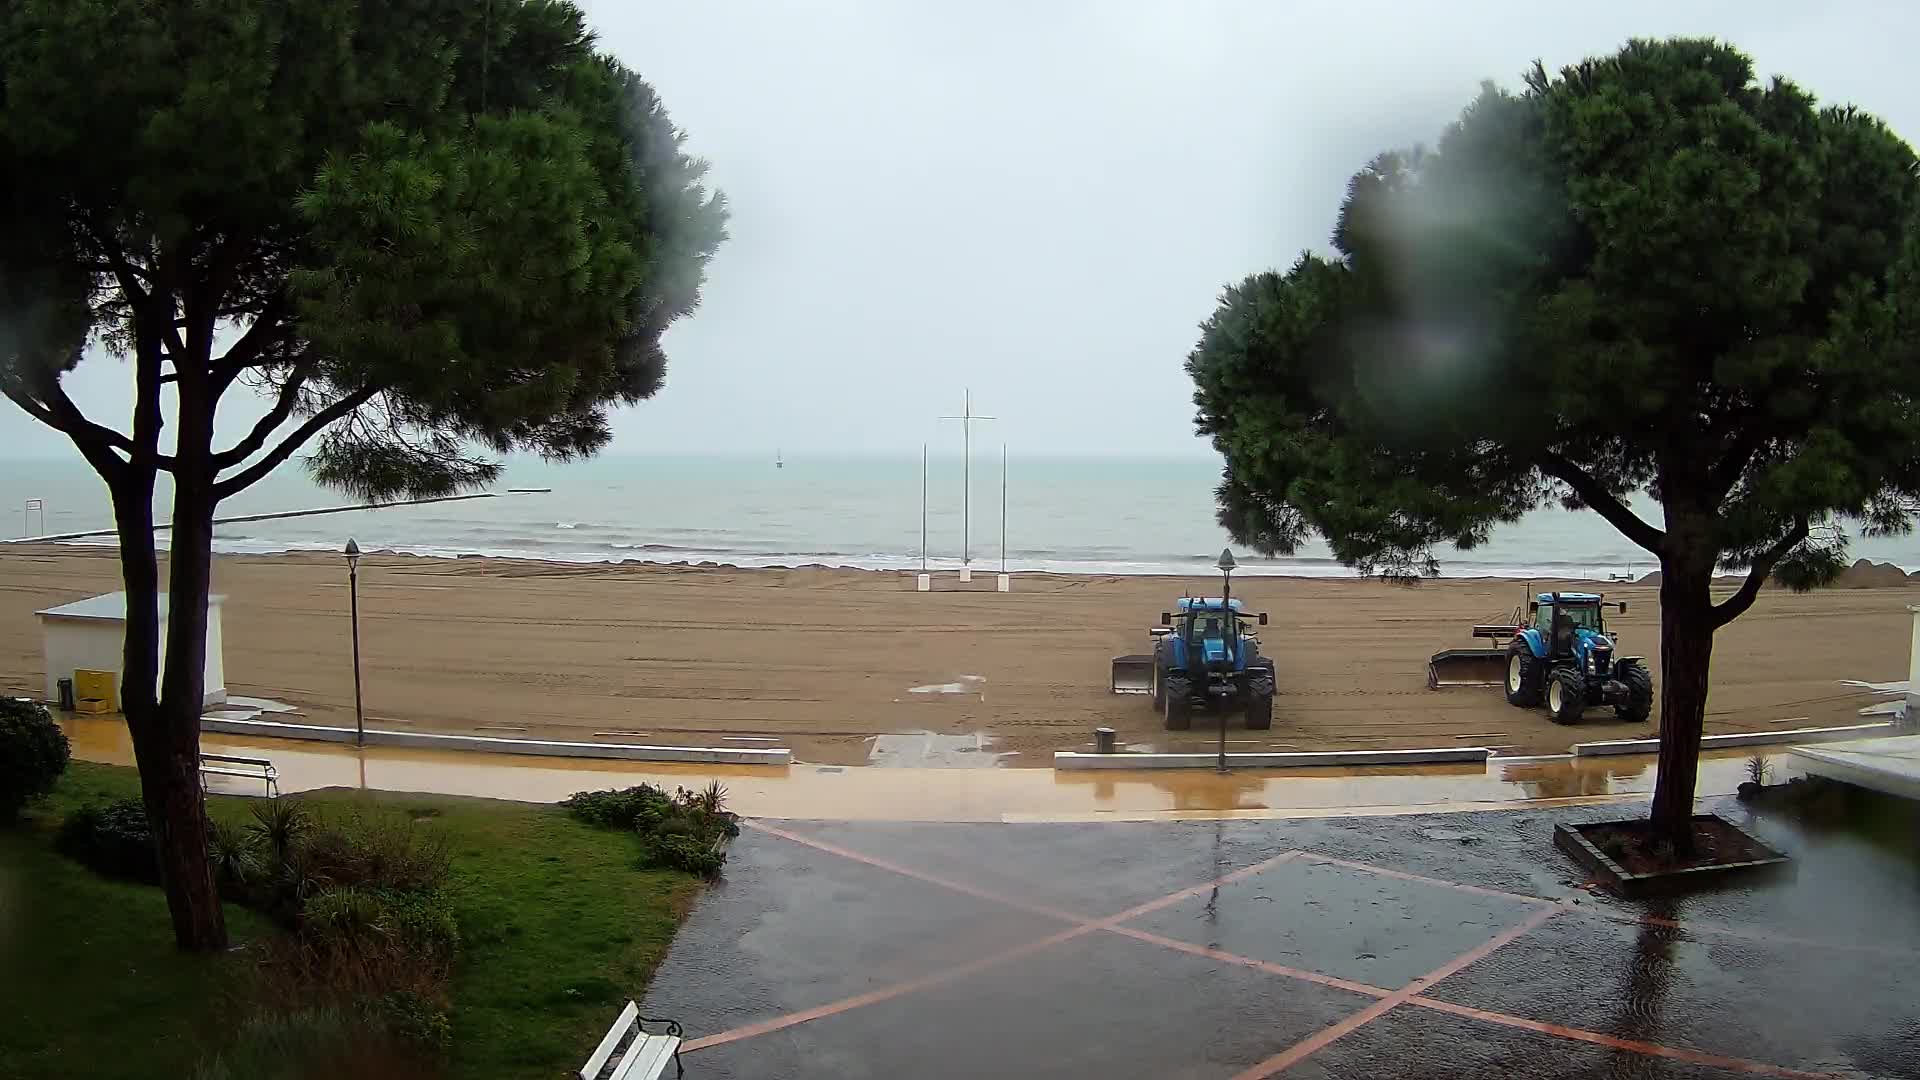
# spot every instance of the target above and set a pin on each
(1472, 667)
(1132, 674)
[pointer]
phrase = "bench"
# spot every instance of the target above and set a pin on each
(629, 1052)
(247, 767)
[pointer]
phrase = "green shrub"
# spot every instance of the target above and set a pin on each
(33, 754)
(354, 942)
(116, 840)
(676, 832)
(633, 808)
(278, 824)
(416, 1019)
(384, 854)
(681, 851)
(237, 866)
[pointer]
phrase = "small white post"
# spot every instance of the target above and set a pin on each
(923, 582)
(966, 574)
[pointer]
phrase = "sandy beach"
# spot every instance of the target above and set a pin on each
(825, 660)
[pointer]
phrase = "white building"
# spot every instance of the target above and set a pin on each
(90, 635)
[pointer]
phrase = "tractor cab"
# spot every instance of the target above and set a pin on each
(1210, 632)
(1565, 620)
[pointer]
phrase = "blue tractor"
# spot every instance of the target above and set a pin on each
(1567, 657)
(1206, 653)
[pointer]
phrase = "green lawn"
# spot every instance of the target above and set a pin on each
(558, 931)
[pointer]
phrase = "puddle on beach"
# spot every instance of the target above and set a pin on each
(927, 750)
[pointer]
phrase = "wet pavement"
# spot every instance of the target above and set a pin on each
(921, 793)
(1461, 945)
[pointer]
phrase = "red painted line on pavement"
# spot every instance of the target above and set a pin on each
(1195, 890)
(885, 993)
(1250, 962)
(918, 875)
(1319, 1040)
(938, 978)
(1411, 994)
(1633, 1046)
(1402, 875)
(1743, 933)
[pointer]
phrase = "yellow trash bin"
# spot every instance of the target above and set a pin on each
(95, 691)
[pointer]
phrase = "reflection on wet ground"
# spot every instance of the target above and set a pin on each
(949, 794)
(1412, 946)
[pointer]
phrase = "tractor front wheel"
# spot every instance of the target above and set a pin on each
(1260, 697)
(1639, 703)
(1523, 675)
(1567, 696)
(1176, 706)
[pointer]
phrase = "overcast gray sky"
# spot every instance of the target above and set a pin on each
(1042, 200)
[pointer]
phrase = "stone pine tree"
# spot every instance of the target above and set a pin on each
(396, 236)
(1650, 275)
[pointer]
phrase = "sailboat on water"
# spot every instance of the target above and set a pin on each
(777, 462)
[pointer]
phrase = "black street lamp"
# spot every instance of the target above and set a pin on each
(353, 594)
(1226, 565)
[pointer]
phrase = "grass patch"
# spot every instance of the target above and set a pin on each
(557, 929)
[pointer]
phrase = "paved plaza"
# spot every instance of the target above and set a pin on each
(1459, 945)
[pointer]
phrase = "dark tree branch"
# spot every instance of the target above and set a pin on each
(1603, 502)
(245, 478)
(1736, 605)
(283, 407)
(1726, 472)
(94, 442)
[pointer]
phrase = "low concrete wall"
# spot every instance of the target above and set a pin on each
(1747, 738)
(1071, 759)
(420, 740)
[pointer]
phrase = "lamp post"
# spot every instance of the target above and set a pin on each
(353, 602)
(1226, 565)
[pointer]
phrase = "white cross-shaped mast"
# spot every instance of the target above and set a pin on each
(967, 417)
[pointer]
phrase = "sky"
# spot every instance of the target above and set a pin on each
(1042, 201)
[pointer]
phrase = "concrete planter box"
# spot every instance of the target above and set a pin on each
(1619, 881)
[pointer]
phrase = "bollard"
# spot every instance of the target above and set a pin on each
(1003, 584)
(923, 582)
(1103, 740)
(966, 574)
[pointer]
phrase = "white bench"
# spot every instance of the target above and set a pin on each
(247, 767)
(630, 1053)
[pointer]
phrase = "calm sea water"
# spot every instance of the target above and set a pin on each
(1073, 516)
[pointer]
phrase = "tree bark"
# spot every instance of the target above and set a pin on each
(1687, 623)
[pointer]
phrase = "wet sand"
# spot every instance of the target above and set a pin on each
(825, 660)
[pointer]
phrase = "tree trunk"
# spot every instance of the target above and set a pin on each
(1686, 654)
(165, 750)
(176, 804)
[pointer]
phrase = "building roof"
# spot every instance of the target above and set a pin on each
(107, 607)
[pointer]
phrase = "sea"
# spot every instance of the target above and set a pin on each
(1055, 514)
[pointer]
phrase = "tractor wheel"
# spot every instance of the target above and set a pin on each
(1567, 696)
(1639, 703)
(1260, 697)
(1175, 705)
(1524, 675)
